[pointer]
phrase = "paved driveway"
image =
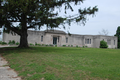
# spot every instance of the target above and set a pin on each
(6, 73)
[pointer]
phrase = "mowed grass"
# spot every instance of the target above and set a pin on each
(63, 63)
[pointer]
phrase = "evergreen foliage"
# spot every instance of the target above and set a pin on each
(37, 13)
(118, 35)
(103, 44)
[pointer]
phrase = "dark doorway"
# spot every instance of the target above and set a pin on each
(55, 40)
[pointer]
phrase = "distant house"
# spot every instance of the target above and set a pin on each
(59, 38)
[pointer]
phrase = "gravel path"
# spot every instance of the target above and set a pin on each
(6, 73)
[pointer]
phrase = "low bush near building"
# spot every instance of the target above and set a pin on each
(43, 44)
(36, 44)
(86, 46)
(17, 43)
(55, 45)
(50, 45)
(11, 42)
(46, 45)
(31, 44)
(64, 45)
(3, 43)
(77, 46)
(103, 44)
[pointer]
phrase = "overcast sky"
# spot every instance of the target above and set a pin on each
(107, 18)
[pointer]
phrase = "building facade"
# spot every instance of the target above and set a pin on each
(60, 38)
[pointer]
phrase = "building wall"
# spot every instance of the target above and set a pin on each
(35, 37)
(74, 40)
(7, 37)
(112, 39)
(94, 41)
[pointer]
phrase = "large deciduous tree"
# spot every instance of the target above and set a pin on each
(36, 13)
(118, 35)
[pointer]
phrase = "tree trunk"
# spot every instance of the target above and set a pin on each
(23, 35)
(23, 40)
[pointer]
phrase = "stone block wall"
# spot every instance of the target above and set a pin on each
(42, 37)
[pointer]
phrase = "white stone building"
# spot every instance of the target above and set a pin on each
(60, 38)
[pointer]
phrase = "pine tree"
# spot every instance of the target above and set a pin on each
(118, 35)
(36, 13)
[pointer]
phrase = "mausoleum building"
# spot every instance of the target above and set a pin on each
(60, 38)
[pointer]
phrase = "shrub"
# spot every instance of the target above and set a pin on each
(83, 46)
(43, 44)
(3, 43)
(36, 44)
(71, 45)
(50, 45)
(17, 43)
(46, 45)
(103, 44)
(64, 45)
(39, 44)
(31, 44)
(55, 45)
(86, 46)
(11, 42)
(77, 46)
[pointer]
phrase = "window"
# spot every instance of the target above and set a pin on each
(66, 40)
(13, 33)
(41, 38)
(90, 41)
(109, 42)
(87, 41)
(55, 40)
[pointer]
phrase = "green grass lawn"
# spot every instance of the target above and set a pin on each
(63, 63)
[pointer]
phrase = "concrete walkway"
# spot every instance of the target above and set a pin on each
(6, 73)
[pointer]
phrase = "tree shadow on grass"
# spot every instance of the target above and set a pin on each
(9, 50)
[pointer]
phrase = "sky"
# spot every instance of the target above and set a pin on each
(107, 18)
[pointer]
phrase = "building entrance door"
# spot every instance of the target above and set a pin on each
(55, 40)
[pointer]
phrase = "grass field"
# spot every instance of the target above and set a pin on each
(64, 63)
